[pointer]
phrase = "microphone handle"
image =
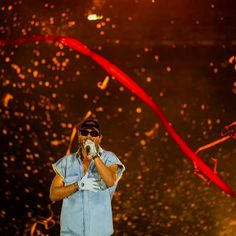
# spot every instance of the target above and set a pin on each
(87, 148)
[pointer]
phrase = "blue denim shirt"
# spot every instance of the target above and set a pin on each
(87, 213)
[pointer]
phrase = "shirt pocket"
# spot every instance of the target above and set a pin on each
(71, 179)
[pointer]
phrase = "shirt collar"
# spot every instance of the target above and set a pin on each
(100, 150)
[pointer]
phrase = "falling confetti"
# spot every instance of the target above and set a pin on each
(138, 91)
(6, 99)
(103, 85)
(229, 131)
(150, 133)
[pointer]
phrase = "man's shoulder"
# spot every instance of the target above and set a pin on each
(66, 158)
(109, 153)
(110, 157)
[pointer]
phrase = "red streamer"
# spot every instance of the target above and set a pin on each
(138, 91)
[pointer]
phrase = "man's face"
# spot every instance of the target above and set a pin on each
(90, 134)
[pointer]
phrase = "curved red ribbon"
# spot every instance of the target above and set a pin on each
(138, 91)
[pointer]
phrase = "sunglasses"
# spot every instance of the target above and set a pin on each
(93, 133)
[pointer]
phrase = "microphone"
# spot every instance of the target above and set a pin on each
(87, 148)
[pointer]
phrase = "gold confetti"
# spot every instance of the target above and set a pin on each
(150, 133)
(103, 85)
(6, 99)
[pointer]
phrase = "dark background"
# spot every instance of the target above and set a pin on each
(178, 51)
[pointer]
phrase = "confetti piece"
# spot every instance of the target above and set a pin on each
(7, 98)
(94, 17)
(152, 131)
(103, 85)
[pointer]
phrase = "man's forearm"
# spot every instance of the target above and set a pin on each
(108, 176)
(58, 193)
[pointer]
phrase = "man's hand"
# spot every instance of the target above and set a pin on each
(92, 149)
(88, 184)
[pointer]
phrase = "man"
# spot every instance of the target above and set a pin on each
(86, 181)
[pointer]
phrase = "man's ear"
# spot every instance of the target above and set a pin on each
(100, 138)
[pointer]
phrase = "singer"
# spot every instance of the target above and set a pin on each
(86, 181)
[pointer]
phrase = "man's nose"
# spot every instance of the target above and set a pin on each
(89, 135)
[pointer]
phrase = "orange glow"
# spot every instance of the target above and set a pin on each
(138, 109)
(143, 142)
(35, 73)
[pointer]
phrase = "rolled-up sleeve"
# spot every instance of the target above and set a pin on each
(113, 160)
(60, 167)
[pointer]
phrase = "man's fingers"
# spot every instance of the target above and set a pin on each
(92, 184)
(95, 185)
(92, 180)
(95, 189)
